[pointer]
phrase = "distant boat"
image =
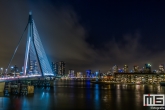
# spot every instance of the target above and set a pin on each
(162, 83)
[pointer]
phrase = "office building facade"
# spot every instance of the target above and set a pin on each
(125, 68)
(58, 68)
(147, 68)
(33, 67)
(71, 73)
(139, 78)
(161, 68)
(114, 69)
(136, 69)
(79, 74)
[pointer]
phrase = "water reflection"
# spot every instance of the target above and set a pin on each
(97, 97)
(96, 92)
(137, 87)
(42, 95)
(83, 95)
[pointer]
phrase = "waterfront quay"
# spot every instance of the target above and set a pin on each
(82, 95)
(24, 86)
(27, 85)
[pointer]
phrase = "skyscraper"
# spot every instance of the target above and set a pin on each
(79, 74)
(136, 69)
(55, 68)
(58, 68)
(61, 68)
(115, 69)
(71, 73)
(88, 73)
(147, 68)
(161, 68)
(14, 69)
(125, 68)
(33, 67)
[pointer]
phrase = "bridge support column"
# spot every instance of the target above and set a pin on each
(2, 86)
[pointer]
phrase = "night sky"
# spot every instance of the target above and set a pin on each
(87, 34)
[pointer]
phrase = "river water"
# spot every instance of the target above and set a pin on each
(82, 95)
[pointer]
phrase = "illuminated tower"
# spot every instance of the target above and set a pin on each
(55, 68)
(115, 69)
(59, 68)
(161, 68)
(125, 68)
(71, 73)
(35, 57)
(136, 69)
(147, 68)
(88, 73)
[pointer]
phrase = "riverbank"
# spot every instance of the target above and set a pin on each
(108, 82)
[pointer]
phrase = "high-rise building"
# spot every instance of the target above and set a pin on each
(55, 68)
(125, 68)
(161, 68)
(88, 73)
(71, 73)
(14, 69)
(120, 70)
(33, 67)
(109, 72)
(147, 68)
(136, 69)
(79, 74)
(115, 69)
(61, 68)
(58, 68)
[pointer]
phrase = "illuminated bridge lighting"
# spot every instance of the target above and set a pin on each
(35, 52)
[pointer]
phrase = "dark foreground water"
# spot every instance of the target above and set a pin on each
(82, 95)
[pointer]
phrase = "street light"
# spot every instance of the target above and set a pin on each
(1, 71)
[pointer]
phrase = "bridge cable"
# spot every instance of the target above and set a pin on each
(17, 47)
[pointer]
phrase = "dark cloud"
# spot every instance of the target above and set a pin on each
(64, 39)
(128, 51)
(61, 34)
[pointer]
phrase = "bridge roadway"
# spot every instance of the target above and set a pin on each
(37, 78)
(9, 79)
(22, 83)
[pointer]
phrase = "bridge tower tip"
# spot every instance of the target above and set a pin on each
(30, 13)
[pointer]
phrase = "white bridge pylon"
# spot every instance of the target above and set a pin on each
(36, 61)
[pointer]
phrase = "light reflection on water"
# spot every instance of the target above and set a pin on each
(83, 95)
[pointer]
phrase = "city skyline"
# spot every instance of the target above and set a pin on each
(82, 54)
(112, 35)
(58, 68)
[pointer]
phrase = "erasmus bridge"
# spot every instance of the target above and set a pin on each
(36, 62)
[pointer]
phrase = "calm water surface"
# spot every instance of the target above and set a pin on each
(82, 95)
